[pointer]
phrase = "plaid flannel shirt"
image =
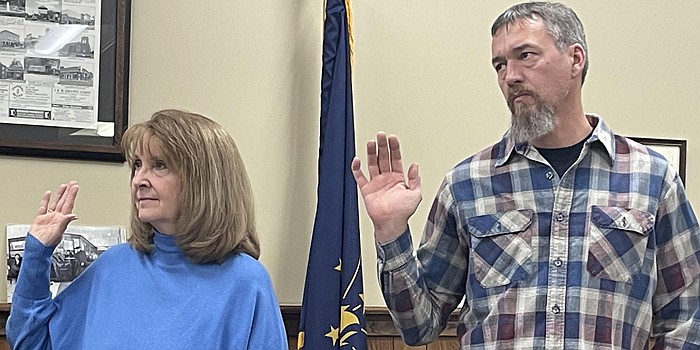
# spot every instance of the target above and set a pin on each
(607, 256)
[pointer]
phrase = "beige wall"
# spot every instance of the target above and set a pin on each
(422, 72)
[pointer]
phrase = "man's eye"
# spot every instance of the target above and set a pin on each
(499, 66)
(525, 55)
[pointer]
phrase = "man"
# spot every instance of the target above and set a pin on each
(561, 236)
(81, 261)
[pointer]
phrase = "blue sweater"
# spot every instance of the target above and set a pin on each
(129, 300)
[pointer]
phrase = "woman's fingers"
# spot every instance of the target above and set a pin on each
(53, 202)
(44, 204)
(72, 193)
(63, 201)
(66, 197)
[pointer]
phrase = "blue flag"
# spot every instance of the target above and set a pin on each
(332, 313)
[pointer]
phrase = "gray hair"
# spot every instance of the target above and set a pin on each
(561, 21)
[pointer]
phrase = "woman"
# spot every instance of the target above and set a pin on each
(189, 277)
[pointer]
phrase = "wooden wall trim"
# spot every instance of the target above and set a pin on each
(381, 332)
(378, 321)
(4, 314)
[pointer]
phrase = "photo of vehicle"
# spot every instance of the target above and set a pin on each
(79, 248)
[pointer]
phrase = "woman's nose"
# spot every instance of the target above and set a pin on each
(140, 178)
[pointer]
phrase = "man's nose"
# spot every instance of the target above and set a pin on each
(513, 74)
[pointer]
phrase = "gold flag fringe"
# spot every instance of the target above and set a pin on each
(351, 38)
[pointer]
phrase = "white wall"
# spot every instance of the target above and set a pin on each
(422, 71)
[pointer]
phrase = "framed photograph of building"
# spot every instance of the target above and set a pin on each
(673, 150)
(80, 246)
(64, 78)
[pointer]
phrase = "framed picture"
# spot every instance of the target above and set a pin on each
(64, 78)
(673, 150)
(80, 246)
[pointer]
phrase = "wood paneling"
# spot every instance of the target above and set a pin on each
(381, 333)
(4, 314)
(400, 345)
(380, 343)
(444, 343)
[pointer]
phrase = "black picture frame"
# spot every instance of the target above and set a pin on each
(673, 150)
(57, 142)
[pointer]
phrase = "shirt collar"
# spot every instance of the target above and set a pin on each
(602, 134)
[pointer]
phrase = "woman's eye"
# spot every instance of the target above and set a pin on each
(137, 164)
(159, 165)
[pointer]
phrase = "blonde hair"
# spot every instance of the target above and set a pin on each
(216, 213)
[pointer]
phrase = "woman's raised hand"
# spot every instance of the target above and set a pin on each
(55, 213)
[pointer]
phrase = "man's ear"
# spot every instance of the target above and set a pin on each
(578, 56)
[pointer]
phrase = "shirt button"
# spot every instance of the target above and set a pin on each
(549, 175)
(555, 309)
(558, 262)
(560, 217)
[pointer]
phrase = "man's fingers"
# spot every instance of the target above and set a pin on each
(383, 153)
(413, 177)
(372, 166)
(357, 173)
(395, 154)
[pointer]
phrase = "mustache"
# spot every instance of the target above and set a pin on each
(514, 92)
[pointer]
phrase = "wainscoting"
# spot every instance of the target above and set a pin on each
(381, 333)
(380, 330)
(4, 314)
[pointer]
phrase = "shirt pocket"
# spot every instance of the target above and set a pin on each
(618, 242)
(500, 247)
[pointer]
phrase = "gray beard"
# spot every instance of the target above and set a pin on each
(527, 122)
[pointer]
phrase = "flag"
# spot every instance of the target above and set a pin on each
(332, 312)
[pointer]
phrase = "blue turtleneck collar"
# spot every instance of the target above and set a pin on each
(166, 250)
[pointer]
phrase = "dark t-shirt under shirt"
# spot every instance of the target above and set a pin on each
(562, 158)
